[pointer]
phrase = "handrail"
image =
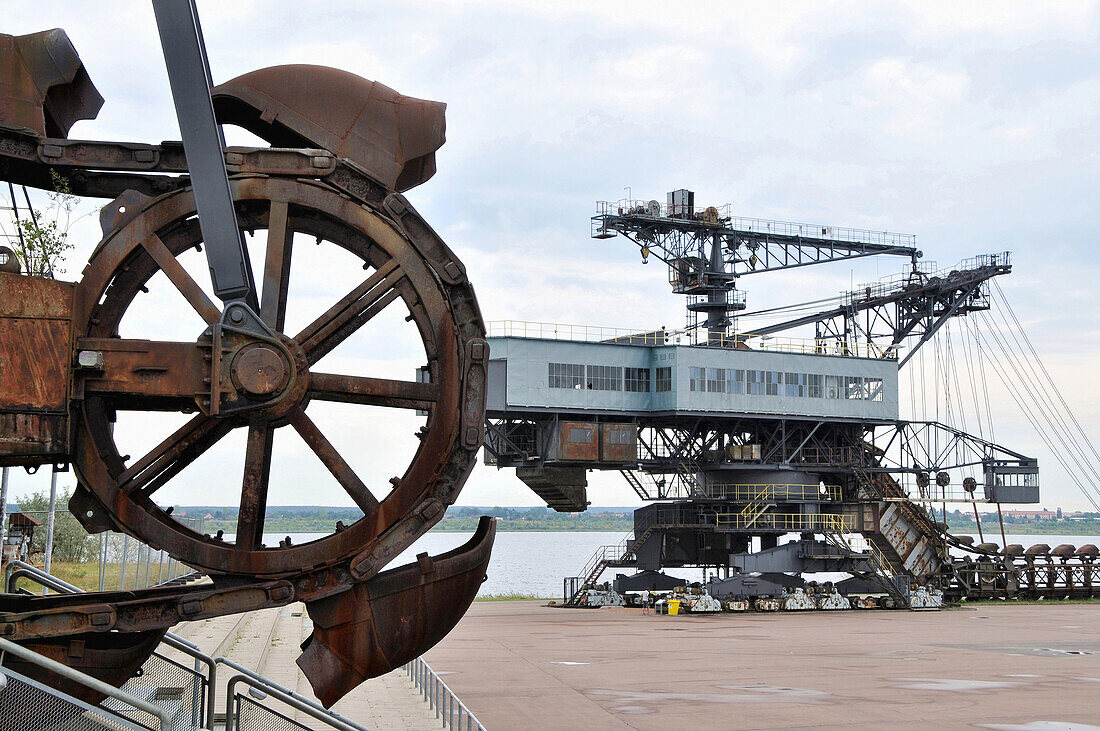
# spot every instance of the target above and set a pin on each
(739, 492)
(440, 696)
(18, 569)
(286, 695)
(33, 572)
(787, 521)
(725, 219)
(86, 680)
(640, 336)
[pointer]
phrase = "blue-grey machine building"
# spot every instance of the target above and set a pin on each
(736, 439)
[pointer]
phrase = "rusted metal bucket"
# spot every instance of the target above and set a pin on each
(392, 136)
(395, 617)
(43, 84)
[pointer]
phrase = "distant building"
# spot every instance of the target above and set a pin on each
(1031, 514)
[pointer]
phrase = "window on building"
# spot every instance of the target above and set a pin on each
(697, 378)
(636, 380)
(664, 379)
(774, 378)
(716, 380)
(794, 384)
(754, 383)
(834, 387)
(872, 389)
(854, 387)
(815, 385)
(566, 375)
(605, 378)
(735, 381)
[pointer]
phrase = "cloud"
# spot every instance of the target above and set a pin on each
(970, 124)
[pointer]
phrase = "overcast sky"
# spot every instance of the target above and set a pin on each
(971, 125)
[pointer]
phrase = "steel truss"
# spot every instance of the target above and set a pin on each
(677, 455)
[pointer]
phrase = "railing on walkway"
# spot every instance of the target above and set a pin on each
(243, 713)
(656, 209)
(184, 692)
(28, 705)
(790, 522)
(195, 709)
(638, 336)
(448, 708)
(749, 493)
(121, 562)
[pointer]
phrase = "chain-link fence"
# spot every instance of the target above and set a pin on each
(253, 716)
(163, 682)
(27, 705)
(104, 562)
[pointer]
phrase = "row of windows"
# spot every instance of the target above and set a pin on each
(779, 383)
(716, 380)
(600, 378)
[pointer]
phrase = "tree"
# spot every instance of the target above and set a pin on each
(44, 235)
(70, 541)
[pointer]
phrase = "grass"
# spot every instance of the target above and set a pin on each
(86, 575)
(511, 598)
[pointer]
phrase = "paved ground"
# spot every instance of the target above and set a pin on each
(268, 642)
(521, 665)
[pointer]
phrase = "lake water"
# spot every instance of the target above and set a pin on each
(535, 562)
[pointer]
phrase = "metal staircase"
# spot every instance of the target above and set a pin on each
(166, 695)
(759, 505)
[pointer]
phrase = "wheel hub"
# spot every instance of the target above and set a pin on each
(259, 370)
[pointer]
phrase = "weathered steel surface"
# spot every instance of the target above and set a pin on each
(348, 147)
(446, 317)
(385, 622)
(619, 442)
(43, 84)
(35, 331)
(578, 441)
(391, 136)
(112, 657)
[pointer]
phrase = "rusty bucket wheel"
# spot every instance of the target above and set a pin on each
(444, 313)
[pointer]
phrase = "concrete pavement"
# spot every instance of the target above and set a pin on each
(520, 665)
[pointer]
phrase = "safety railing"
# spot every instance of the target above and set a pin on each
(158, 672)
(792, 492)
(451, 711)
(579, 333)
(857, 544)
(243, 713)
(655, 209)
(628, 336)
(28, 705)
(791, 522)
(921, 273)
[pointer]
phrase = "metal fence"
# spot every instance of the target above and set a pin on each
(108, 561)
(452, 712)
(167, 694)
(250, 715)
(181, 691)
(28, 705)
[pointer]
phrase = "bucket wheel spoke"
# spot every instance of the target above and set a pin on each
(257, 474)
(168, 458)
(276, 282)
(373, 391)
(179, 277)
(352, 312)
(332, 460)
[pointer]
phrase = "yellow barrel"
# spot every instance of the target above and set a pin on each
(674, 606)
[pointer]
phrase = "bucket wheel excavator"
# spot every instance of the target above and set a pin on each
(342, 151)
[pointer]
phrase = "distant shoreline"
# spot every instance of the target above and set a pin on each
(464, 519)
